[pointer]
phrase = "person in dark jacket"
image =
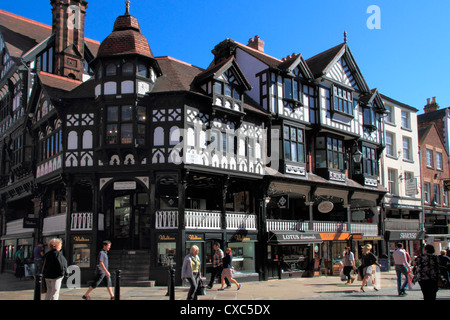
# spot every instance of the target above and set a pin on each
(54, 269)
(226, 272)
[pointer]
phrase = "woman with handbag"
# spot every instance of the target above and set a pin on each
(54, 269)
(191, 271)
(367, 262)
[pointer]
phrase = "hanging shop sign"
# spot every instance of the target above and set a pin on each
(325, 206)
(446, 185)
(282, 202)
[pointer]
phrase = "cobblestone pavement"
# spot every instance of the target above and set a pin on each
(316, 288)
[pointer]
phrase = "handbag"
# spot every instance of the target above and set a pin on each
(43, 286)
(43, 282)
(201, 290)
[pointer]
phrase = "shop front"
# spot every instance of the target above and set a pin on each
(331, 252)
(411, 240)
(243, 250)
(291, 253)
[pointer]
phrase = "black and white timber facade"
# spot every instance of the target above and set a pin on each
(277, 159)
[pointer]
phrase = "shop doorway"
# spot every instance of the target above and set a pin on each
(128, 219)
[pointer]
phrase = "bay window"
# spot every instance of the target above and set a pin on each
(342, 100)
(293, 141)
(125, 125)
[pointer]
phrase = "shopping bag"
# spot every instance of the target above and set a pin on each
(342, 275)
(411, 284)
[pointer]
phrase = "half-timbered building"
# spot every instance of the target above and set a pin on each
(277, 159)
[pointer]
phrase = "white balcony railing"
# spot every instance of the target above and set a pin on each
(241, 221)
(198, 219)
(195, 219)
(167, 219)
(286, 225)
(81, 221)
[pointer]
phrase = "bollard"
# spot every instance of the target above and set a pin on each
(172, 284)
(117, 287)
(37, 287)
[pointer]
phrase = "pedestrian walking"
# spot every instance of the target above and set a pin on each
(102, 274)
(227, 270)
(349, 265)
(367, 262)
(54, 269)
(426, 272)
(19, 261)
(38, 256)
(444, 264)
(217, 266)
(191, 271)
(402, 267)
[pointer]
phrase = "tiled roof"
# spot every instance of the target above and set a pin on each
(177, 75)
(22, 34)
(318, 63)
(126, 38)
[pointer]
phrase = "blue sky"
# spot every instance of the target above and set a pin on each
(407, 59)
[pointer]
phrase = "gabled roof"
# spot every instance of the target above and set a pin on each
(283, 65)
(423, 133)
(56, 86)
(321, 63)
(433, 115)
(218, 69)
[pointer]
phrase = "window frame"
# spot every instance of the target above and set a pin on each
(289, 141)
(340, 99)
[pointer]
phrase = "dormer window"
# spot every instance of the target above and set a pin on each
(369, 118)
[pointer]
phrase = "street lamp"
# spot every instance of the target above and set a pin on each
(357, 155)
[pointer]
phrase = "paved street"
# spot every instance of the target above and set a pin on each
(317, 288)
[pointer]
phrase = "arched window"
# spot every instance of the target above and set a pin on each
(127, 69)
(111, 70)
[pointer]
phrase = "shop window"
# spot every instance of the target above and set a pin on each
(166, 253)
(81, 255)
(243, 256)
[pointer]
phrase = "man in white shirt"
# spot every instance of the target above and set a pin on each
(401, 267)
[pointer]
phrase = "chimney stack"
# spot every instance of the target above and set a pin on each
(68, 28)
(431, 106)
(256, 43)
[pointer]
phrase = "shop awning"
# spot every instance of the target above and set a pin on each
(293, 237)
(405, 235)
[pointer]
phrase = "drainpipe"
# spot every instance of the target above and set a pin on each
(422, 202)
